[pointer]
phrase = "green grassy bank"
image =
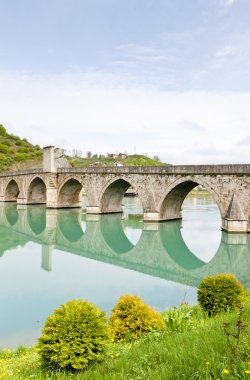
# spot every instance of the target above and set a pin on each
(192, 346)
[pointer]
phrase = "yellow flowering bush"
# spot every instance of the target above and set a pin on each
(131, 318)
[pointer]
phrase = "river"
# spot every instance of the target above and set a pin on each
(48, 257)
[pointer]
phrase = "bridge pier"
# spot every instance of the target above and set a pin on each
(156, 217)
(234, 226)
(151, 216)
(22, 201)
(235, 220)
(93, 210)
(51, 194)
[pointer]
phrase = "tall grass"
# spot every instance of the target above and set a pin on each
(199, 350)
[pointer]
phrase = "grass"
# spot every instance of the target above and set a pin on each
(195, 348)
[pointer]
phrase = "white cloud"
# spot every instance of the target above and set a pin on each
(228, 3)
(225, 52)
(104, 113)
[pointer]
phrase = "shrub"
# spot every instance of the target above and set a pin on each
(74, 336)
(4, 148)
(2, 130)
(18, 141)
(219, 293)
(6, 142)
(177, 320)
(131, 318)
(20, 157)
(24, 149)
(3, 157)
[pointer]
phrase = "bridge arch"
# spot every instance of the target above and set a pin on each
(172, 200)
(11, 191)
(113, 193)
(37, 191)
(70, 193)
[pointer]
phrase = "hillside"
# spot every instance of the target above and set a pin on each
(133, 160)
(17, 153)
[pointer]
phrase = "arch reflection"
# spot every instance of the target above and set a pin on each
(160, 251)
(36, 218)
(11, 214)
(176, 247)
(69, 223)
(113, 234)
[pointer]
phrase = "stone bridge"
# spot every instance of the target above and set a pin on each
(161, 190)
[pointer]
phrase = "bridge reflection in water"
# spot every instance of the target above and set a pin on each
(160, 250)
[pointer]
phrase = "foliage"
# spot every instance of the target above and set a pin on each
(2, 130)
(3, 148)
(20, 157)
(23, 149)
(131, 318)
(234, 333)
(198, 353)
(219, 293)
(177, 319)
(14, 149)
(6, 142)
(74, 336)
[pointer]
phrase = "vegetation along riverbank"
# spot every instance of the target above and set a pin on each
(191, 346)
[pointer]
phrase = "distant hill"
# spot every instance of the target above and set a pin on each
(133, 160)
(17, 153)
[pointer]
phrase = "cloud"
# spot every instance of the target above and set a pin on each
(245, 141)
(226, 51)
(228, 3)
(103, 113)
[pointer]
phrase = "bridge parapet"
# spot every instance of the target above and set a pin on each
(21, 172)
(240, 169)
(168, 169)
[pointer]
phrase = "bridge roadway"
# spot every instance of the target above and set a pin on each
(160, 251)
(161, 190)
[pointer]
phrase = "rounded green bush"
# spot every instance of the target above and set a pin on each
(4, 148)
(74, 336)
(220, 293)
(131, 318)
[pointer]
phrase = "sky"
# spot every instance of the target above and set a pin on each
(156, 77)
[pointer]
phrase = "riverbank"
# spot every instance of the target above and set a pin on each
(193, 346)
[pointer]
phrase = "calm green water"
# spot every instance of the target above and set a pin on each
(48, 257)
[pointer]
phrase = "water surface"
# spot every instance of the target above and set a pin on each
(48, 257)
